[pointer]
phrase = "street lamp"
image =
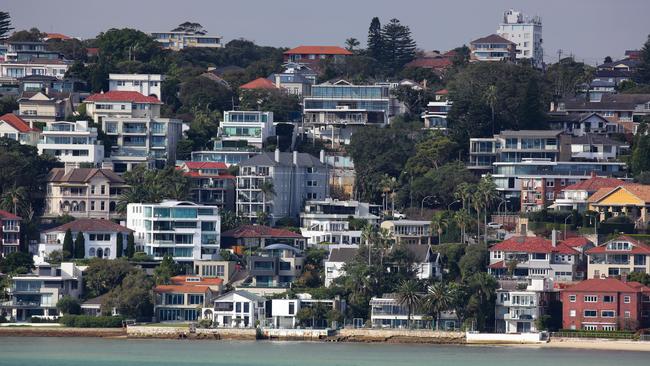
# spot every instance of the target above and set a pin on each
(449, 205)
(422, 204)
(565, 219)
(503, 201)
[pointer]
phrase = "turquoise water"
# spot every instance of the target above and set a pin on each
(122, 352)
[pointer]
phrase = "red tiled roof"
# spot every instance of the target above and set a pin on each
(442, 92)
(497, 265)
(638, 247)
(205, 165)
(492, 38)
(199, 175)
(639, 190)
(607, 285)
(532, 244)
(93, 51)
(91, 225)
(6, 215)
(182, 280)
(595, 183)
(259, 83)
(258, 231)
(430, 62)
(318, 50)
(122, 96)
(185, 289)
(16, 122)
(56, 36)
(578, 241)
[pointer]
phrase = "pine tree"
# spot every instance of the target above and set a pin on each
(130, 245)
(80, 246)
(119, 245)
(641, 152)
(398, 45)
(643, 72)
(68, 248)
(5, 24)
(375, 44)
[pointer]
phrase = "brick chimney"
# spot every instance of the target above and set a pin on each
(554, 238)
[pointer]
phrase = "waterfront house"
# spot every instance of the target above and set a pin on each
(606, 304)
(237, 309)
(337, 258)
(285, 313)
(275, 265)
(618, 257)
(519, 304)
(387, 312)
(183, 299)
(10, 225)
(409, 231)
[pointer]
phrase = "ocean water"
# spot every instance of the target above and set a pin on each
(27, 351)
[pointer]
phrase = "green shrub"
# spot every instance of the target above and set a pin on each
(87, 321)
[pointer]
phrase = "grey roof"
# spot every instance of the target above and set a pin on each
(594, 139)
(95, 300)
(609, 101)
(248, 295)
(535, 133)
(286, 159)
(419, 252)
(280, 246)
(492, 38)
(342, 254)
(607, 83)
(81, 175)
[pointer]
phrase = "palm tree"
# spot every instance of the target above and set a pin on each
(408, 295)
(385, 240)
(463, 193)
(490, 96)
(369, 237)
(484, 287)
(439, 298)
(477, 203)
(439, 222)
(351, 43)
(13, 200)
(268, 190)
(462, 219)
(488, 191)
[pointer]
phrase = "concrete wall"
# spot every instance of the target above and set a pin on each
(400, 335)
(500, 338)
(182, 331)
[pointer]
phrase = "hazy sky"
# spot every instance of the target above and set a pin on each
(589, 29)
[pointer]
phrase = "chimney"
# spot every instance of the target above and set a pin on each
(322, 156)
(624, 277)
(295, 157)
(277, 155)
(554, 238)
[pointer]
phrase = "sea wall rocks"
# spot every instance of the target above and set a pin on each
(399, 336)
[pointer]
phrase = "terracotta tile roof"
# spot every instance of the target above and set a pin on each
(430, 63)
(595, 183)
(56, 36)
(93, 51)
(498, 265)
(639, 190)
(259, 83)
(185, 289)
(6, 215)
(82, 175)
(259, 231)
(16, 122)
(199, 175)
(638, 247)
(182, 280)
(532, 244)
(607, 285)
(318, 50)
(492, 38)
(122, 96)
(575, 242)
(442, 92)
(205, 165)
(91, 225)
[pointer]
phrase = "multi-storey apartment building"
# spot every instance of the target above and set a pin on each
(276, 265)
(525, 33)
(435, 116)
(492, 48)
(327, 221)
(293, 177)
(229, 153)
(524, 256)
(15, 128)
(409, 231)
(606, 304)
(334, 110)
(312, 55)
(210, 184)
(178, 40)
(71, 142)
(520, 304)
(83, 193)
(29, 50)
(184, 230)
(145, 84)
(250, 128)
(13, 70)
(236, 309)
(133, 121)
(10, 232)
(618, 257)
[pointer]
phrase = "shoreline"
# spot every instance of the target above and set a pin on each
(182, 333)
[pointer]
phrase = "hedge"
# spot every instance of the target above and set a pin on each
(88, 321)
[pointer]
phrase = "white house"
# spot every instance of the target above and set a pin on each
(240, 309)
(285, 311)
(525, 33)
(339, 255)
(71, 142)
(19, 69)
(145, 84)
(520, 304)
(250, 127)
(15, 128)
(178, 40)
(327, 221)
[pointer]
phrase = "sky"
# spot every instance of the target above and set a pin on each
(587, 29)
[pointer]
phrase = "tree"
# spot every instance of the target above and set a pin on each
(206, 94)
(203, 128)
(165, 271)
(398, 45)
(608, 60)
(414, 99)
(473, 261)
(133, 297)
(68, 305)
(375, 41)
(148, 185)
(80, 246)
(5, 24)
(32, 35)
(101, 276)
(439, 298)
(283, 105)
(68, 246)
(8, 104)
(408, 294)
(441, 183)
(643, 71)
(462, 219)
(351, 44)
(17, 263)
(640, 277)
(483, 288)
(641, 151)
(119, 245)
(118, 45)
(130, 245)
(57, 256)
(439, 222)
(190, 27)
(565, 77)
(268, 191)
(14, 200)
(430, 153)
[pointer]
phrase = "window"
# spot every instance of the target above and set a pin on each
(627, 315)
(590, 313)
(572, 313)
(238, 307)
(626, 299)
(608, 313)
(572, 298)
(247, 307)
(196, 299)
(608, 298)
(589, 327)
(609, 328)
(591, 298)
(292, 308)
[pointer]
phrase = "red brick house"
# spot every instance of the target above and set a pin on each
(606, 304)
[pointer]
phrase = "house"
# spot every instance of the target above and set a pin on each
(334, 110)
(133, 121)
(338, 256)
(36, 294)
(46, 107)
(525, 33)
(296, 79)
(285, 312)
(71, 142)
(625, 110)
(145, 84)
(342, 174)
(15, 128)
(387, 312)
(250, 128)
(10, 225)
(593, 147)
(294, 177)
(529, 256)
(222, 269)
(492, 48)
(312, 55)
(100, 238)
(14, 70)
(29, 50)
(580, 124)
(435, 115)
(409, 231)
(259, 236)
(210, 184)
(259, 84)
(327, 221)
(228, 153)
(238, 309)
(631, 200)
(49, 84)
(574, 196)
(519, 305)
(93, 307)
(83, 193)
(606, 304)
(276, 265)
(178, 40)
(618, 257)
(436, 62)
(184, 230)
(183, 299)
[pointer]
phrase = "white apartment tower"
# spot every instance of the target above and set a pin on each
(526, 33)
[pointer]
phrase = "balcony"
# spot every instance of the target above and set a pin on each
(136, 130)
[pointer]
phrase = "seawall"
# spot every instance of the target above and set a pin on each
(61, 332)
(398, 336)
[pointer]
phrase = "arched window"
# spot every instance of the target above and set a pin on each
(82, 206)
(74, 207)
(112, 207)
(107, 252)
(91, 252)
(100, 253)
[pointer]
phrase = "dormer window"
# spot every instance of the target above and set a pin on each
(619, 245)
